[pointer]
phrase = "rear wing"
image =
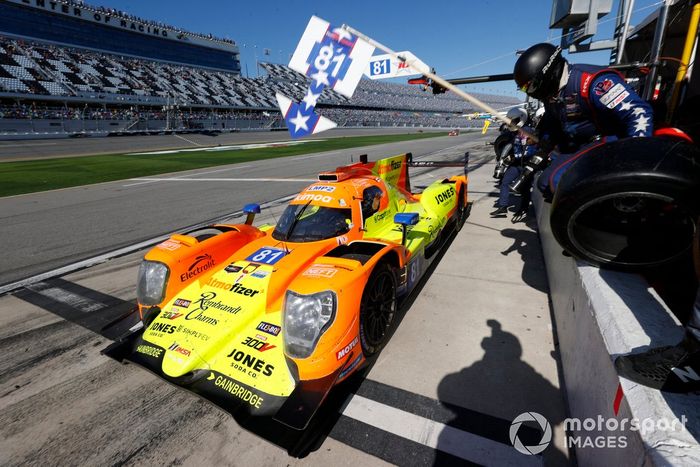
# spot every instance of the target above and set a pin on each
(401, 172)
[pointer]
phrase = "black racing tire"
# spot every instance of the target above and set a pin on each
(629, 205)
(501, 141)
(378, 309)
(461, 214)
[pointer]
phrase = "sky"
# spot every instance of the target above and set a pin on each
(458, 38)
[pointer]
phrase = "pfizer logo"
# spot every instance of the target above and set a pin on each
(544, 426)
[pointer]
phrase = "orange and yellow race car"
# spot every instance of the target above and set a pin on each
(266, 320)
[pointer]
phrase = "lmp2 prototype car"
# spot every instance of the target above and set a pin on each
(265, 321)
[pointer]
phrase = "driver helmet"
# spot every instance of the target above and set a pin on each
(538, 71)
(371, 199)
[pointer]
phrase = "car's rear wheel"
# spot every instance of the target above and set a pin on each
(377, 309)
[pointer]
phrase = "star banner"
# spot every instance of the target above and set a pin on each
(333, 58)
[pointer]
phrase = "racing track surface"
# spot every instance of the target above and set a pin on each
(48, 148)
(42, 231)
(472, 350)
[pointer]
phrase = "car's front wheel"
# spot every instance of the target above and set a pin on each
(377, 309)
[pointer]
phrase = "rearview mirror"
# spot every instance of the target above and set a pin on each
(251, 210)
(404, 219)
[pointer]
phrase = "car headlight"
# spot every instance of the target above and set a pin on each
(153, 278)
(306, 317)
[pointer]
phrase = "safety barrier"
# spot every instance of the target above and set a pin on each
(598, 315)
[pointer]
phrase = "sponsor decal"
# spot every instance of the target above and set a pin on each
(260, 274)
(549, 63)
(191, 332)
(346, 350)
(324, 188)
(260, 337)
(233, 268)
(201, 263)
(388, 167)
(445, 195)
(618, 100)
(181, 350)
(320, 270)
(251, 268)
(602, 87)
(342, 240)
(249, 364)
(236, 390)
(162, 327)
(381, 215)
(246, 292)
(615, 91)
(258, 345)
(182, 303)
(217, 284)
(170, 315)
(342, 202)
(585, 84)
(205, 302)
(169, 245)
(150, 351)
(309, 197)
(350, 367)
(268, 328)
(235, 287)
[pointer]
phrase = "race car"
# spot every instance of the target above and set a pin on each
(264, 321)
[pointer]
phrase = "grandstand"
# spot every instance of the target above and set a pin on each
(59, 86)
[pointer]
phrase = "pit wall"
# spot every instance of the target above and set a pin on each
(598, 315)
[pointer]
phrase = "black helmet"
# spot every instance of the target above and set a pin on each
(538, 70)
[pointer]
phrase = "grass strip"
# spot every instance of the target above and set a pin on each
(50, 174)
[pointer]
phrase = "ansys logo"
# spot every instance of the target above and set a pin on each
(544, 426)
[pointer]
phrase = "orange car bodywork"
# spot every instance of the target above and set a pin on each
(219, 304)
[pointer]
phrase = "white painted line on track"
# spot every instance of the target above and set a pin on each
(188, 140)
(175, 179)
(436, 435)
(123, 251)
(191, 175)
(26, 145)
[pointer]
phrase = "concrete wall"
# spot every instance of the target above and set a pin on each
(598, 315)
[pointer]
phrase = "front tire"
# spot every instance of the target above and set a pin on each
(377, 309)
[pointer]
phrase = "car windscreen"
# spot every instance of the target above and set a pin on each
(309, 223)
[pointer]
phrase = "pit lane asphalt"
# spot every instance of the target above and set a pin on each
(473, 350)
(43, 231)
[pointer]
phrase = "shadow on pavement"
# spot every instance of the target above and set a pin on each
(527, 244)
(501, 378)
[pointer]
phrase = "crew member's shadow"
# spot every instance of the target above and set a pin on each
(527, 244)
(490, 393)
